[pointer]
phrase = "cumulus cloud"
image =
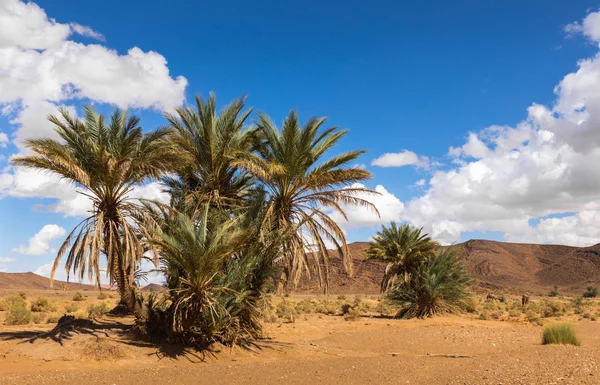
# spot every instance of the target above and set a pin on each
(389, 206)
(505, 178)
(39, 244)
(399, 159)
(41, 69)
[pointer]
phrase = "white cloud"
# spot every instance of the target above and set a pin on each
(389, 206)
(42, 70)
(86, 31)
(39, 244)
(7, 260)
(399, 159)
(546, 165)
(589, 27)
(420, 183)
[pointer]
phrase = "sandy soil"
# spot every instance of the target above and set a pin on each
(313, 349)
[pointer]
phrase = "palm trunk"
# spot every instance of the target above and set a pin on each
(127, 290)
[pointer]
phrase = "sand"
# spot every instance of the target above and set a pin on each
(313, 349)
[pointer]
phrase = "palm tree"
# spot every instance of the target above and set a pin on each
(302, 186)
(438, 285)
(404, 247)
(220, 272)
(104, 161)
(210, 142)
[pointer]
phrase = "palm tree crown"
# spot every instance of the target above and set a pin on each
(404, 247)
(301, 186)
(210, 142)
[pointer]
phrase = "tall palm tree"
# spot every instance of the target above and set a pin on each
(210, 142)
(404, 247)
(104, 161)
(302, 187)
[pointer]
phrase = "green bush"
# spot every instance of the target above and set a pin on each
(561, 333)
(554, 292)
(437, 286)
(78, 296)
(95, 310)
(18, 314)
(42, 304)
(592, 292)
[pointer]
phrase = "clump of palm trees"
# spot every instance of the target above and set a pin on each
(248, 208)
(421, 278)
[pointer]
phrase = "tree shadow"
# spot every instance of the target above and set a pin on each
(65, 329)
(69, 326)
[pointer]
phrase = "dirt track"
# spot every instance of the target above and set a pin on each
(447, 350)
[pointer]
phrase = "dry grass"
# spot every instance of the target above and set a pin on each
(561, 333)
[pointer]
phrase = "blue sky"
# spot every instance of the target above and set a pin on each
(418, 77)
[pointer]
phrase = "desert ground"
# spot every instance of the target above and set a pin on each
(309, 341)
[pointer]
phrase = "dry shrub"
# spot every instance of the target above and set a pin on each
(23, 295)
(95, 310)
(102, 295)
(18, 314)
(561, 333)
(5, 304)
(286, 311)
(102, 349)
(52, 319)
(71, 308)
(78, 296)
(42, 304)
(352, 314)
(553, 308)
(38, 318)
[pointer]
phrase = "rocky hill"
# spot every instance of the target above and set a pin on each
(496, 266)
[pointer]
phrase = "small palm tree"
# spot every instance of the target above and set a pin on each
(301, 186)
(404, 247)
(220, 271)
(438, 286)
(104, 161)
(209, 142)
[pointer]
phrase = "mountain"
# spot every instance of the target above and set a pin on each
(496, 266)
(31, 281)
(154, 287)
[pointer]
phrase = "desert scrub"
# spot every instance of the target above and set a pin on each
(352, 314)
(102, 295)
(38, 318)
(78, 296)
(23, 295)
(554, 292)
(95, 310)
(554, 308)
(560, 333)
(591, 292)
(5, 304)
(42, 304)
(18, 314)
(71, 308)
(52, 319)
